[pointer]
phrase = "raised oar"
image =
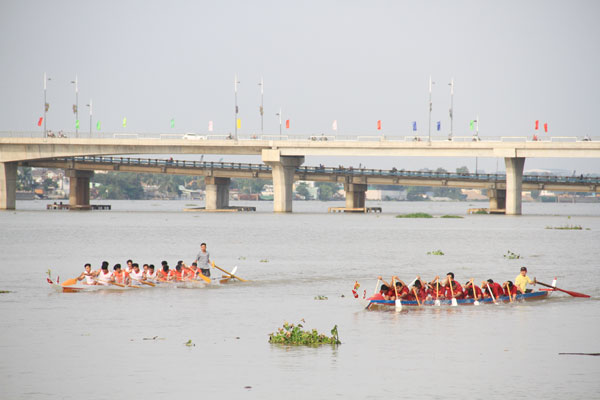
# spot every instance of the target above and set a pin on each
(574, 294)
(437, 292)
(228, 273)
(508, 291)
(376, 286)
(454, 301)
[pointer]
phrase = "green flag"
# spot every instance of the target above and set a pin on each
(172, 122)
(125, 122)
(76, 124)
(471, 124)
(98, 125)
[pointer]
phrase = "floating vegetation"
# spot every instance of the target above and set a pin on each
(241, 258)
(435, 253)
(189, 343)
(5, 291)
(481, 211)
(414, 215)
(567, 227)
(512, 256)
(294, 335)
(264, 260)
(321, 298)
(451, 216)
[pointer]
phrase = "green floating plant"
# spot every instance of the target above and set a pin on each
(291, 334)
(415, 215)
(435, 253)
(512, 256)
(320, 297)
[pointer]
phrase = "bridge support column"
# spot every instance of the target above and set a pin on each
(355, 195)
(8, 185)
(79, 193)
(283, 168)
(217, 193)
(497, 199)
(514, 184)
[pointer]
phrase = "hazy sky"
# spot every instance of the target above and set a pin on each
(513, 62)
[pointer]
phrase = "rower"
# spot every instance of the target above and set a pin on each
(509, 287)
(402, 289)
(188, 273)
(419, 288)
(105, 276)
(129, 266)
(88, 275)
(163, 275)
(137, 276)
(522, 280)
(175, 275)
(496, 288)
(472, 291)
(456, 288)
(151, 274)
(121, 276)
(203, 260)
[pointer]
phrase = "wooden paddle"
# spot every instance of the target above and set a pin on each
(491, 293)
(476, 302)
(454, 301)
(376, 286)
(228, 273)
(574, 294)
(149, 283)
(69, 282)
(417, 296)
(437, 301)
(508, 291)
(203, 277)
(398, 302)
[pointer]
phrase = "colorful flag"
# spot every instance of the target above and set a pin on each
(287, 124)
(415, 126)
(239, 123)
(125, 122)
(334, 125)
(98, 125)
(40, 121)
(210, 126)
(379, 124)
(471, 124)
(172, 122)
(76, 124)
(439, 125)
(546, 127)
(537, 124)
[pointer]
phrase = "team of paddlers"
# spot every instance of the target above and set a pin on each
(132, 274)
(449, 288)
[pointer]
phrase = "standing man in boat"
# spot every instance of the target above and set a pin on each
(203, 260)
(522, 280)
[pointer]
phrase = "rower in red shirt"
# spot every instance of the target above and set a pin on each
(509, 287)
(457, 290)
(401, 288)
(469, 291)
(434, 289)
(495, 287)
(176, 274)
(419, 289)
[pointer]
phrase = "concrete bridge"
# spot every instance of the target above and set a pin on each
(286, 155)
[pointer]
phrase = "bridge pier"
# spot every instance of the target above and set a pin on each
(355, 195)
(514, 184)
(79, 193)
(8, 185)
(497, 199)
(283, 168)
(217, 193)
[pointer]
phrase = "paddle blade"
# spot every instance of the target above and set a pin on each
(205, 278)
(69, 282)
(574, 294)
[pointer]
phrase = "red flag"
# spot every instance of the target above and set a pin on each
(537, 124)
(379, 125)
(40, 121)
(546, 127)
(287, 124)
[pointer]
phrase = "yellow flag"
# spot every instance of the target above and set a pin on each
(239, 123)
(125, 122)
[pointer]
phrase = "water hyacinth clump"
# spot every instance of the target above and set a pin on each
(291, 334)
(415, 215)
(512, 256)
(435, 253)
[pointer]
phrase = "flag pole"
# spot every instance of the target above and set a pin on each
(430, 107)
(90, 106)
(46, 105)
(262, 96)
(235, 83)
(76, 106)
(451, 108)
(279, 114)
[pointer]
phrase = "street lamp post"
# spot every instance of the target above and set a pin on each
(235, 83)
(451, 108)
(76, 107)
(262, 110)
(280, 119)
(430, 106)
(90, 106)
(46, 105)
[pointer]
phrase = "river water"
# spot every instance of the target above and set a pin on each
(91, 345)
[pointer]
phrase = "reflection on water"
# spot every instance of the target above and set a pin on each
(57, 345)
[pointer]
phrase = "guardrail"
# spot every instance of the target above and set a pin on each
(340, 170)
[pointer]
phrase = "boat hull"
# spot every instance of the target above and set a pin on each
(389, 304)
